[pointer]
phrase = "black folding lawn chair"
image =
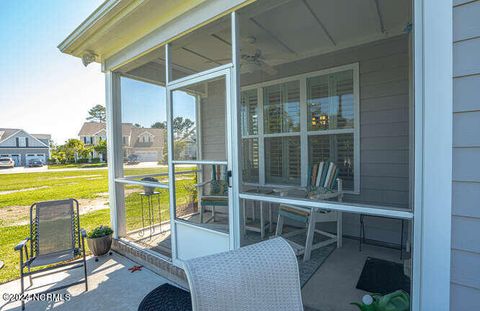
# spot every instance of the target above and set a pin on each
(55, 238)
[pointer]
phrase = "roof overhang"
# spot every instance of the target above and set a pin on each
(116, 24)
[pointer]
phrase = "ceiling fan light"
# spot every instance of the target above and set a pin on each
(248, 67)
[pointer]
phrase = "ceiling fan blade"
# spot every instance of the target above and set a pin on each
(267, 68)
(248, 46)
(218, 60)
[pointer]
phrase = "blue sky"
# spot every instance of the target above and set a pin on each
(144, 103)
(41, 89)
(45, 91)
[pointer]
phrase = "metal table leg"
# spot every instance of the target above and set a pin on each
(262, 222)
(142, 232)
(270, 217)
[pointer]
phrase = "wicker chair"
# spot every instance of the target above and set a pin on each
(55, 238)
(262, 276)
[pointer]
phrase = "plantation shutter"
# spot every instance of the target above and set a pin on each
(249, 112)
(282, 159)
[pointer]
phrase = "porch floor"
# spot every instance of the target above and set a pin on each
(111, 287)
(160, 239)
(331, 288)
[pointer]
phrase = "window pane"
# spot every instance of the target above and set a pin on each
(250, 160)
(282, 160)
(201, 196)
(148, 217)
(330, 101)
(249, 112)
(194, 108)
(185, 124)
(337, 149)
(282, 108)
(144, 143)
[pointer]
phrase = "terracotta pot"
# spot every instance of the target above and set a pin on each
(100, 246)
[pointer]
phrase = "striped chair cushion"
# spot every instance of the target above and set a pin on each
(324, 175)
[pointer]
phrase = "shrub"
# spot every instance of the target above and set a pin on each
(99, 232)
(95, 160)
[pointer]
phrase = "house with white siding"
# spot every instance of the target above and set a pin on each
(143, 144)
(354, 120)
(23, 147)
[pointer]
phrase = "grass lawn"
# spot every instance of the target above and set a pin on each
(86, 184)
(82, 165)
(53, 185)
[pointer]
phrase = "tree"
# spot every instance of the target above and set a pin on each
(101, 148)
(137, 125)
(97, 114)
(183, 129)
(159, 125)
(73, 149)
(183, 134)
(58, 156)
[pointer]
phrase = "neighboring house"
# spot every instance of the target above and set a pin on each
(189, 150)
(278, 87)
(145, 144)
(23, 147)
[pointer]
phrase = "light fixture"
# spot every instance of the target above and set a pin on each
(88, 57)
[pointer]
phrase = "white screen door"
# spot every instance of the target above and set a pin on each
(201, 150)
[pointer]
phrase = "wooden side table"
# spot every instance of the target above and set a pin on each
(263, 225)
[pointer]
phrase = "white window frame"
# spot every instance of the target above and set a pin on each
(22, 141)
(304, 133)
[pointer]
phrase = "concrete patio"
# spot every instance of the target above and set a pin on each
(111, 287)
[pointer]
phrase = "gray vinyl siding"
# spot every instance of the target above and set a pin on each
(465, 274)
(213, 122)
(32, 142)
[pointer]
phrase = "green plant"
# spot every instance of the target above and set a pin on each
(99, 232)
(396, 301)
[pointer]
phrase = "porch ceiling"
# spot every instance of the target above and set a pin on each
(285, 31)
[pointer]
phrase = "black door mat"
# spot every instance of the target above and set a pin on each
(383, 277)
(166, 298)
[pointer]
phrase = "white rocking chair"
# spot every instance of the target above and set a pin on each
(322, 182)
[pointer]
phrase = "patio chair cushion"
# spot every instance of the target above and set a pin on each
(43, 260)
(217, 201)
(296, 213)
(218, 183)
(323, 176)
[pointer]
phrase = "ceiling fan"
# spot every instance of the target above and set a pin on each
(253, 62)
(253, 59)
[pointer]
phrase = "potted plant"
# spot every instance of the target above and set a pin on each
(99, 241)
(396, 301)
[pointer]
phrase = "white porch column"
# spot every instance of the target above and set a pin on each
(433, 154)
(236, 141)
(114, 153)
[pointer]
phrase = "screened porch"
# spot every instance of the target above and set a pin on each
(323, 119)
